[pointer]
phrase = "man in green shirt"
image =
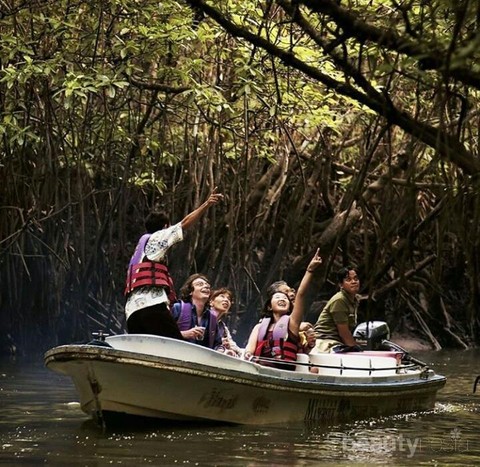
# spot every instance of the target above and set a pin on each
(339, 317)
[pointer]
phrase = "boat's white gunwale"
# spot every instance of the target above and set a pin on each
(348, 386)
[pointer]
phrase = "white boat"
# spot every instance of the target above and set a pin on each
(158, 377)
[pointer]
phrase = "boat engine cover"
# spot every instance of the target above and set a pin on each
(375, 331)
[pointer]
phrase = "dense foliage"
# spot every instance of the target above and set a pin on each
(348, 125)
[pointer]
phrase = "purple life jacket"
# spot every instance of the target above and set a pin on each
(185, 320)
(139, 250)
(280, 329)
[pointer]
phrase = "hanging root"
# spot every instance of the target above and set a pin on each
(475, 384)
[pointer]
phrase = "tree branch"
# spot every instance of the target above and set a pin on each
(418, 267)
(429, 57)
(447, 145)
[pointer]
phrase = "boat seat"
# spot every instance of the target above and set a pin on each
(304, 360)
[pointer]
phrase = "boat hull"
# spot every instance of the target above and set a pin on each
(233, 391)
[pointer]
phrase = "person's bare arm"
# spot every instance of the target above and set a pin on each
(299, 307)
(252, 342)
(346, 335)
(191, 218)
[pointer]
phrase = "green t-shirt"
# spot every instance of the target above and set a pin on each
(340, 309)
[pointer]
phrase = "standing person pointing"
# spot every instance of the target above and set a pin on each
(149, 288)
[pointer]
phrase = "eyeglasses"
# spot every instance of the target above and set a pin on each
(200, 284)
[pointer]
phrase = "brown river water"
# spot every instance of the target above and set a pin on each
(41, 423)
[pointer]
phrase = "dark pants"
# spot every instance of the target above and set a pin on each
(156, 320)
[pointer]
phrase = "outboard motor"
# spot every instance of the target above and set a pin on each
(377, 335)
(373, 332)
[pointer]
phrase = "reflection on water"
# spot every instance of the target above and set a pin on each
(41, 423)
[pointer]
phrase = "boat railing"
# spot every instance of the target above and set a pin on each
(340, 367)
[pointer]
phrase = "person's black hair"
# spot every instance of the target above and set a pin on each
(156, 220)
(342, 273)
(272, 288)
(266, 311)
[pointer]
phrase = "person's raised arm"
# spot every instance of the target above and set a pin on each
(191, 218)
(299, 307)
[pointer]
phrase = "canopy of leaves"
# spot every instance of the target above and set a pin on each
(349, 125)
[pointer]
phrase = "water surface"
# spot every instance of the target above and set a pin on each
(41, 423)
